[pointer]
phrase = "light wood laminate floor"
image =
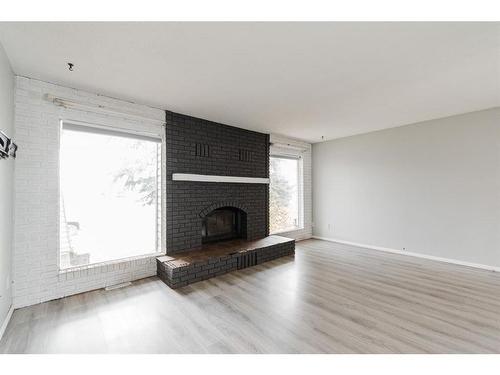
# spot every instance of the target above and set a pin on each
(330, 298)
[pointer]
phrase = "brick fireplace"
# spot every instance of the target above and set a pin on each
(219, 220)
(196, 146)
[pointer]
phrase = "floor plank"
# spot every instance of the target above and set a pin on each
(330, 298)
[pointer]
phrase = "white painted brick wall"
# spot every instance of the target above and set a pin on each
(36, 205)
(306, 231)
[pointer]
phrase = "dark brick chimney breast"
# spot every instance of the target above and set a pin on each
(198, 146)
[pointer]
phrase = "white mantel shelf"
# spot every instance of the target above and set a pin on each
(212, 178)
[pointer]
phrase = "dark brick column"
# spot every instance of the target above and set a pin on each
(199, 146)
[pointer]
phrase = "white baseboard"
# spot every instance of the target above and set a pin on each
(6, 321)
(412, 254)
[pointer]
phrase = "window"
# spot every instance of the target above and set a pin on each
(285, 194)
(110, 199)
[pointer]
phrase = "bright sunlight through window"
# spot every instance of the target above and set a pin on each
(110, 195)
(284, 194)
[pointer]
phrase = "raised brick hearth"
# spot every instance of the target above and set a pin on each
(200, 212)
(220, 258)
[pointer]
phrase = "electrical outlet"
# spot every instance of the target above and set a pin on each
(330, 227)
(404, 248)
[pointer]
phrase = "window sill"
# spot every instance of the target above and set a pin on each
(109, 262)
(288, 230)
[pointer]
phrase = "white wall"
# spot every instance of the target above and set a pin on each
(6, 184)
(36, 229)
(431, 188)
(282, 145)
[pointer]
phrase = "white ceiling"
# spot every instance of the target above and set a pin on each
(304, 80)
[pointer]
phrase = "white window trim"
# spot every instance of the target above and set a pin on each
(109, 129)
(295, 155)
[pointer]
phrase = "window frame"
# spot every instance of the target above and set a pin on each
(95, 128)
(300, 189)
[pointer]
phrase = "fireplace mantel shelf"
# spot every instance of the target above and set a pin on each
(212, 178)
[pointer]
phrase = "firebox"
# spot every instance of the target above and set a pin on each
(224, 223)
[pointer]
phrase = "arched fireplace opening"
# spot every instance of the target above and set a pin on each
(224, 223)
